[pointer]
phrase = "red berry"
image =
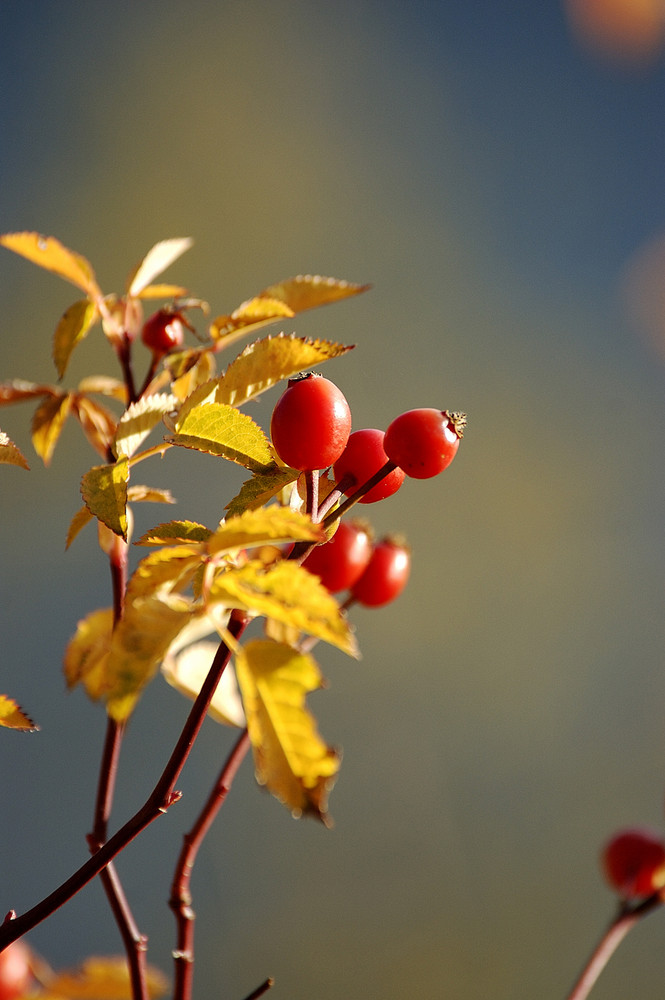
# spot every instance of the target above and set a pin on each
(311, 423)
(361, 459)
(424, 442)
(339, 562)
(633, 862)
(15, 975)
(163, 331)
(386, 574)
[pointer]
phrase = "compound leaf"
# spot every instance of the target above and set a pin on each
(49, 253)
(290, 757)
(10, 454)
(13, 717)
(47, 423)
(104, 492)
(222, 430)
(71, 330)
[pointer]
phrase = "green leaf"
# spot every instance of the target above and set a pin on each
(139, 419)
(290, 757)
(261, 488)
(71, 330)
(10, 454)
(222, 430)
(104, 492)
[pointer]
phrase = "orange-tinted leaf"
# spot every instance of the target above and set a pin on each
(87, 653)
(77, 523)
(49, 253)
(162, 292)
(287, 593)
(175, 531)
(10, 454)
(251, 315)
(13, 717)
(261, 488)
(47, 423)
(149, 494)
(105, 386)
(170, 568)
(98, 423)
(104, 492)
(290, 757)
(71, 330)
(18, 389)
(306, 291)
(103, 978)
(222, 430)
(139, 419)
(157, 259)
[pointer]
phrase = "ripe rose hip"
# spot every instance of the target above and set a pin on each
(311, 423)
(386, 574)
(424, 442)
(339, 562)
(633, 862)
(163, 331)
(362, 458)
(15, 974)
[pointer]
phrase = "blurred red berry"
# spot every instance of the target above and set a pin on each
(15, 974)
(385, 575)
(633, 862)
(164, 331)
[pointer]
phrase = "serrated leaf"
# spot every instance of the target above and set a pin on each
(77, 524)
(250, 315)
(49, 253)
(74, 325)
(307, 291)
(289, 594)
(10, 454)
(187, 670)
(188, 379)
(165, 569)
(290, 757)
(157, 259)
(222, 430)
(47, 423)
(261, 488)
(261, 527)
(104, 492)
(87, 653)
(139, 419)
(97, 422)
(12, 716)
(103, 978)
(175, 531)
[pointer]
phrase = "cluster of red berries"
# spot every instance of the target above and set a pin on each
(633, 862)
(311, 431)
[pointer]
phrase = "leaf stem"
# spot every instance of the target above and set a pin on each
(181, 897)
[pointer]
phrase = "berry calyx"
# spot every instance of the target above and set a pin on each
(15, 972)
(362, 458)
(385, 575)
(311, 423)
(164, 331)
(424, 442)
(339, 562)
(633, 862)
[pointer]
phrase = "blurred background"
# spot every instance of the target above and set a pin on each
(496, 172)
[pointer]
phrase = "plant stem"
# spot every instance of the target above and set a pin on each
(181, 897)
(625, 919)
(260, 990)
(340, 511)
(162, 797)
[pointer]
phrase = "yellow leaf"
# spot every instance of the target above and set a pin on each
(263, 486)
(139, 419)
(287, 593)
(49, 253)
(98, 424)
(13, 717)
(222, 430)
(162, 292)
(105, 385)
(77, 523)
(104, 492)
(72, 328)
(165, 569)
(103, 978)
(47, 423)
(149, 494)
(290, 757)
(198, 373)
(250, 315)
(87, 653)
(157, 259)
(259, 527)
(186, 671)
(175, 531)
(10, 454)
(306, 291)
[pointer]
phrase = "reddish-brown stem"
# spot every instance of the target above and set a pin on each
(260, 990)
(162, 797)
(181, 897)
(124, 356)
(340, 511)
(312, 484)
(625, 919)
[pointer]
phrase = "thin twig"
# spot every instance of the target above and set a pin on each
(260, 990)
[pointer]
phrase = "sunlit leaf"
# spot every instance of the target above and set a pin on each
(261, 488)
(13, 717)
(258, 527)
(10, 454)
(71, 330)
(249, 316)
(103, 978)
(222, 430)
(105, 386)
(47, 423)
(289, 594)
(139, 419)
(149, 494)
(87, 653)
(162, 292)
(306, 291)
(168, 568)
(17, 390)
(175, 531)
(104, 492)
(290, 757)
(97, 422)
(157, 259)
(187, 670)
(77, 524)
(188, 379)
(49, 253)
